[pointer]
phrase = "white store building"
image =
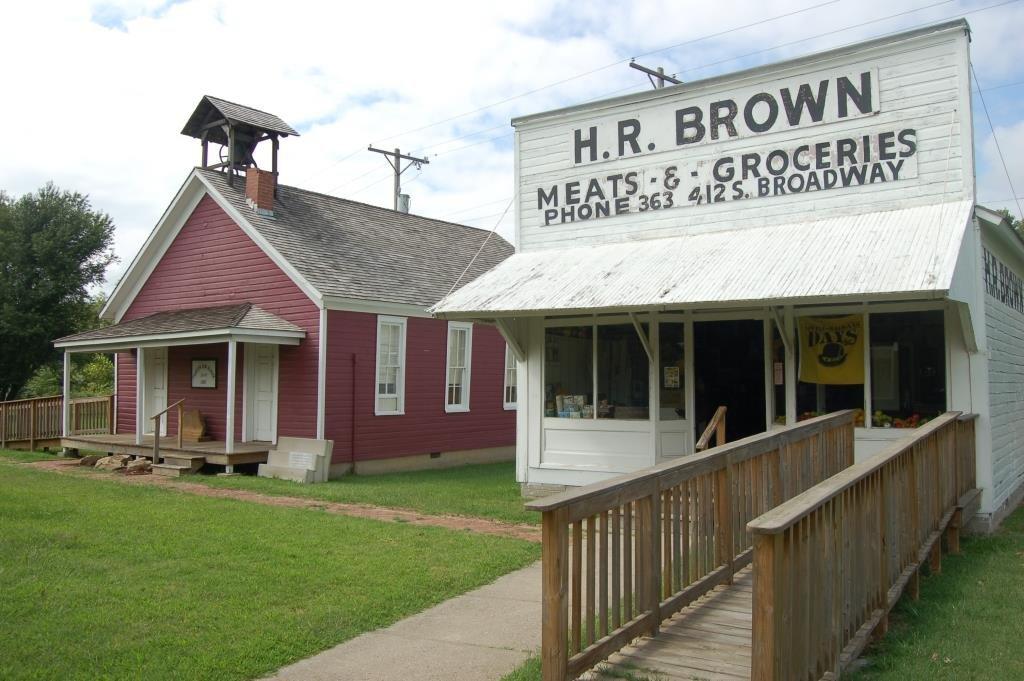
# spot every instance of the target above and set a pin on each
(782, 241)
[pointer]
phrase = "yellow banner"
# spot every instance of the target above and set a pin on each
(832, 350)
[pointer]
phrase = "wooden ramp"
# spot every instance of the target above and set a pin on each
(708, 640)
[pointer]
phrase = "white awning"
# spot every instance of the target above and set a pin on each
(909, 253)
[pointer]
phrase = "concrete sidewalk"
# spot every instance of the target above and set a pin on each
(479, 636)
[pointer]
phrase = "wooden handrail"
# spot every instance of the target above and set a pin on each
(716, 427)
(42, 418)
(169, 407)
(622, 555)
(156, 428)
(831, 562)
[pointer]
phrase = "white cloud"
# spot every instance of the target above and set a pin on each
(993, 184)
(96, 93)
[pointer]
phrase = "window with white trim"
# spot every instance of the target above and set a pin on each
(390, 390)
(460, 350)
(511, 397)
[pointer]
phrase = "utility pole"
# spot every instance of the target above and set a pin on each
(653, 75)
(395, 159)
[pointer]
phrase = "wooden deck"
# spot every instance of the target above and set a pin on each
(215, 451)
(709, 640)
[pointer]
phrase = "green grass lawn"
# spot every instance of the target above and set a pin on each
(969, 623)
(101, 580)
(483, 490)
(25, 457)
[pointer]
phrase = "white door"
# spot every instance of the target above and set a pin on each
(261, 382)
(155, 375)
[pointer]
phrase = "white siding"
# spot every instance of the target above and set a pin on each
(1005, 330)
(923, 84)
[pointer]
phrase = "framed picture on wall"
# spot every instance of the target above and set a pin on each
(204, 373)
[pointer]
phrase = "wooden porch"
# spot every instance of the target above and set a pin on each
(213, 451)
(770, 558)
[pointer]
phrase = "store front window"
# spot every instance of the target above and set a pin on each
(908, 368)
(831, 365)
(621, 373)
(671, 371)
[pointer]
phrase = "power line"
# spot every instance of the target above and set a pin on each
(471, 208)
(995, 139)
(481, 249)
(608, 66)
(820, 35)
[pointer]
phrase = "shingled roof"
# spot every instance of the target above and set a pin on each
(244, 316)
(353, 250)
(211, 108)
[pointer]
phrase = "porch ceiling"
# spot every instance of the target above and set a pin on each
(910, 252)
(243, 322)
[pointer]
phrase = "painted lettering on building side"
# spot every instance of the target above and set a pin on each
(816, 165)
(1002, 283)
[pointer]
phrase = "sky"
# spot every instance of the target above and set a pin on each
(96, 93)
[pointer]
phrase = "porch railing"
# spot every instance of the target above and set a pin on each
(41, 418)
(831, 562)
(157, 426)
(622, 555)
(716, 429)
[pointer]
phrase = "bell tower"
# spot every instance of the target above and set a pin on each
(238, 130)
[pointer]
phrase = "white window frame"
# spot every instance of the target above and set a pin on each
(383, 320)
(513, 371)
(466, 381)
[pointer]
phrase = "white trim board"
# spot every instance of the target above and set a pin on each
(167, 229)
(185, 338)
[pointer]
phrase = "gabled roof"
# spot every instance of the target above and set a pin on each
(330, 247)
(227, 320)
(909, 253)
(352, 250)
(210, 109)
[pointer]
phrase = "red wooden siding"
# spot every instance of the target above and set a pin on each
(211, 403)
(125, 392)
(213, 262)
(425, 427)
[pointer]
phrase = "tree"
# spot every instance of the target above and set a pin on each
(1017, 224)
(53, 248)
(92, 374)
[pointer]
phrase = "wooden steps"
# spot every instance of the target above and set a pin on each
(178, 464)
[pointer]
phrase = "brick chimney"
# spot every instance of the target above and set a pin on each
(259, 190)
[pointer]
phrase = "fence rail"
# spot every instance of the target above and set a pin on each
(831, 562)
(621, 556)
(41, 418)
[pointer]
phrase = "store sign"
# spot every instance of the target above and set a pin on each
(832, 350)
(765, 108)
(706, 151)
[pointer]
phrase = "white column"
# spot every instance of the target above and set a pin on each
(66, 420)
(140, 394)
(229, 436)
(867, 368)
(321, 377)
(791, 368)
(113, 423)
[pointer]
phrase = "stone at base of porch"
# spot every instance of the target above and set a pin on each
(421, 462)
(212, 451)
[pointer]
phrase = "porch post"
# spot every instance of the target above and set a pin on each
(229, 436)
(140, 394)
(66, 402)
(791, 368)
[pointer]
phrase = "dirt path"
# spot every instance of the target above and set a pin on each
(477, 525)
